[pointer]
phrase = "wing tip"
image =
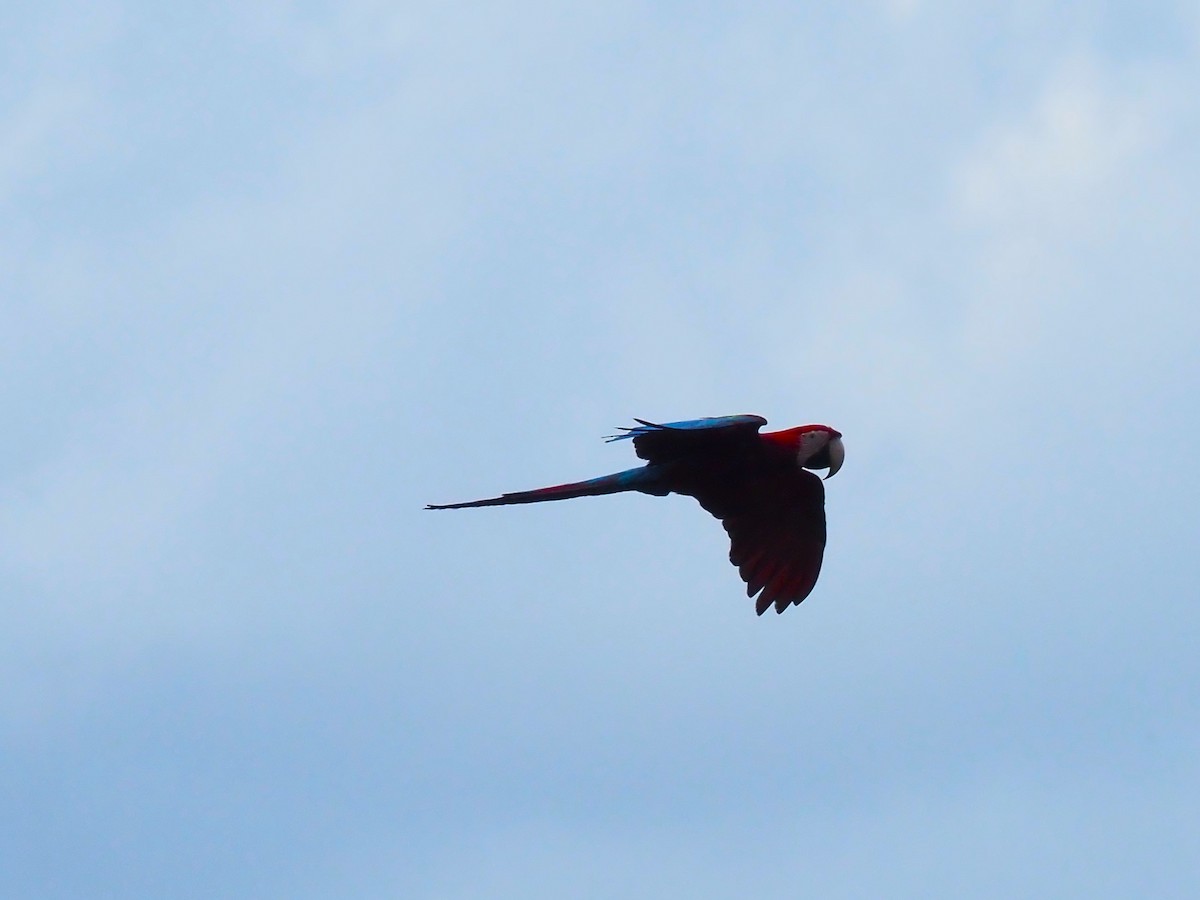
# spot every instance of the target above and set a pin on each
(643, 427)
(780, 600)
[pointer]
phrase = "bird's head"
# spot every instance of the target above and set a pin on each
(815, 446)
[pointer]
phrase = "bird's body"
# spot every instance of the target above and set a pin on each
(756, 484)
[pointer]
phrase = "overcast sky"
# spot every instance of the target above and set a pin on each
(276, 274)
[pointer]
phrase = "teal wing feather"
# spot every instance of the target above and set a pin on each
(657, 442)
(713, 423)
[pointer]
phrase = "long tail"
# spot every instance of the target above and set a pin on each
(646, 479)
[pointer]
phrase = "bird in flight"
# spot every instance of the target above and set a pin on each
(758, 485)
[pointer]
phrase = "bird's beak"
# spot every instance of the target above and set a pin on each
(837, 456)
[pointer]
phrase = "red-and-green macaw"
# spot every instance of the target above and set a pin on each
(756, 484)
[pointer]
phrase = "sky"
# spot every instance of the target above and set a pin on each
(276, 274)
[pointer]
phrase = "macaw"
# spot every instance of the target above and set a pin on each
(756, 484)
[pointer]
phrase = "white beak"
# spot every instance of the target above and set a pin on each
(837, 456)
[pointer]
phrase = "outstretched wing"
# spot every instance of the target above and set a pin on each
(672, 440)
(776, 527)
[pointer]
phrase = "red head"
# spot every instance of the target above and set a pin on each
(815, 446)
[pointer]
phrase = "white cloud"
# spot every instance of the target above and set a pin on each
(902, 10)
(323, 39)
(32, 134)
(1055, 165)
(53, 105)
(1052, 197)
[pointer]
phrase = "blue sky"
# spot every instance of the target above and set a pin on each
(277, 274)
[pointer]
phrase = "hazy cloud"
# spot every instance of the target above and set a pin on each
(282, 273)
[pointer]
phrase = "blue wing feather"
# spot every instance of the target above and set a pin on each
(711, 423)
(657, 443)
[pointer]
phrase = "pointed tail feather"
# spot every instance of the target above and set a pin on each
(644, 479)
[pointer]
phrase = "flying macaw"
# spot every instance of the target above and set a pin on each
(756, 484)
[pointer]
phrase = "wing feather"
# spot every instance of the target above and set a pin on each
(776, 530)
(670, 441)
